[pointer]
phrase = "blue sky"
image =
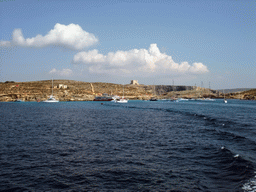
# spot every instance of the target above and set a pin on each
(152, 41)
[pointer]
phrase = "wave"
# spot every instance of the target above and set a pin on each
(250, 186)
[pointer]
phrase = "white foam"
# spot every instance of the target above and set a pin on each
(250, 186)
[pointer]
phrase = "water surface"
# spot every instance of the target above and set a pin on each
(138, 146)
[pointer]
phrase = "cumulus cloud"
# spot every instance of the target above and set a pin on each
(70, 36)
(63, 72)
(136, 61)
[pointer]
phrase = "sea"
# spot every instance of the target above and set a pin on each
(139, 146)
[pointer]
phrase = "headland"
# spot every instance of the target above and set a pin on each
(70, 90)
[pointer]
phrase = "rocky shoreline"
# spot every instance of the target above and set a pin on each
(69, 90)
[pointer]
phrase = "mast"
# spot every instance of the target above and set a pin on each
(123, 90)
(52, 86)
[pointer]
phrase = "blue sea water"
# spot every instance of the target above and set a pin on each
(138, 146)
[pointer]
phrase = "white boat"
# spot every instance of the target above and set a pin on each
(51, 98)
(225, 101)
(209, 99)
(182, 99)
(19, 100)
(120, 100)
(114, 98)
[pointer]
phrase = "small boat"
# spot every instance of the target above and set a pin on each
(19, 100)
(121, 100)
(104, 97)
(51, 98)
(182, 99)
(209, 99)
(224, 100)
(153, 99)
(116, 97)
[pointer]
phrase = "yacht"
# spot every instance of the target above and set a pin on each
(121, 100)
(153, 98)
(225, 101)
(51, 98)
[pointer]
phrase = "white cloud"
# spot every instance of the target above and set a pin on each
(136, 61)
(69, 36)
(63, 72)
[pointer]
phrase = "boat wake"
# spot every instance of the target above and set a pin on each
(250, 186)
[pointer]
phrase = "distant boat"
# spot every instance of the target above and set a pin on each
(122, 100)
(182, 99)
(51, 98)
(225, 101)
(104, 97)
(153, 98)
(19, 100)
(116, 97)
(209, 99)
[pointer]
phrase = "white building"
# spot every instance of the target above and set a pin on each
(134, 82)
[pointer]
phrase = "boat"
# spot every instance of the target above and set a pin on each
(19, 100)
(153, 98)
(51, 98)
(104, 97)
(121, 100)
(224, 100)
(182, 99)
(209, 99)
(116, 97)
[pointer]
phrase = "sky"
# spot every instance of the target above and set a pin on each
(208, 43)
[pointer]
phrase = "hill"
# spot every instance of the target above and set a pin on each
(70, 90)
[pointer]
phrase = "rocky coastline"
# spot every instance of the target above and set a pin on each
(70, 90)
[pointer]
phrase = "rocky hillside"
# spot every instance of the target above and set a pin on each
(244, 95)
(86, 91)
(75, 91)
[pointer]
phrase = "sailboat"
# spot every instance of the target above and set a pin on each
(121, 100)
(153, 98)
(51, 98)
(225, 101)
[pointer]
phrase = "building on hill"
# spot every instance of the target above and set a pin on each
(62, 86)
(134, 82)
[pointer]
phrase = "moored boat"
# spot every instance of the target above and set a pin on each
(104, 97)
(153, 99)
(121, 100)
(51, 98)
